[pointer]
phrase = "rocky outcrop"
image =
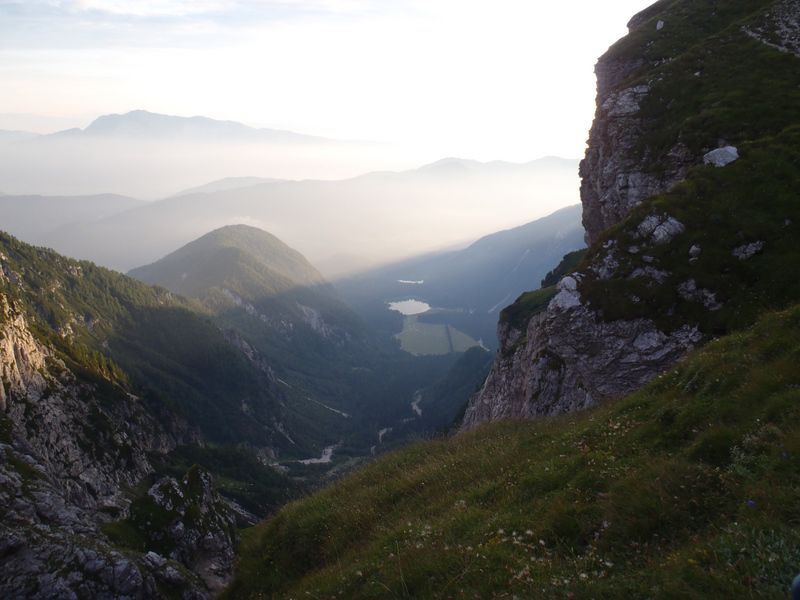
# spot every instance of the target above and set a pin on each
(187, 521)
(51, 547)
(779, 28)
(22, 359)
(579, 349)
(569, 359)
(91, 448)
(616, 174)
(68, 451)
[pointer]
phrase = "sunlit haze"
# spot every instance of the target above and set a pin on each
(149, 99)
(507, 79)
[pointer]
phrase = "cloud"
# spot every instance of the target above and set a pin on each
(74, 24)
(150, 8)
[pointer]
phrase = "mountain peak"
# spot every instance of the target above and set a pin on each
(241, 257)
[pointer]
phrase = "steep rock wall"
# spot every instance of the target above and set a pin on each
(669, 263)
(91, 448)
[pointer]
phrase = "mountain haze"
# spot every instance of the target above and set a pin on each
(143, 125)
(149, 155)
(34, 218)
(345, 380)
(341, 226)
(469, 287)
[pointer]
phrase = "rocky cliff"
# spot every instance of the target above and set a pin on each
(688, 213)
(76, 442)
(64, 459)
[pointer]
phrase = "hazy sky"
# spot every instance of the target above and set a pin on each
(490, 79)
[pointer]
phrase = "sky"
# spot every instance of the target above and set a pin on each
(489, 80)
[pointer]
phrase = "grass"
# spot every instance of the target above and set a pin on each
(526, 307)
(568, 264)
(422, 339)
(689, 488)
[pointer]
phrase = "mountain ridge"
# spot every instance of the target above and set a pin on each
(287, 267)
(405, 218)
(143, 124)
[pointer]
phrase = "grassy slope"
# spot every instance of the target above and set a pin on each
(247, 260)
(689, 488)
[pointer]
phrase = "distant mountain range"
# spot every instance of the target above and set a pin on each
(151, 155)
(16, 136)
(32, 218)
(225, 184)
(341, 226)
(148, 126)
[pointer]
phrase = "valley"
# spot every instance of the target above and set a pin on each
(240, 362)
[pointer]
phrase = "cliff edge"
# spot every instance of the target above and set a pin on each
(688, 204)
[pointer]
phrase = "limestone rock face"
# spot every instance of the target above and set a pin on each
(721, 157)
(572, 360)
(90, 448)
(22, 359)
(190, 523)
(65, 458)
(569, 356)
(615, 174)
(51, 547)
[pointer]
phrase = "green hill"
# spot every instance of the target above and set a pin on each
(246, 260)
(687, 489)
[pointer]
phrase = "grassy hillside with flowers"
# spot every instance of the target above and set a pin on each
(689, 488)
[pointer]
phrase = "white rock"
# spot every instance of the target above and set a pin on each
(625, 102)
(660, 230)
(695, 251)
(649, 340)
(647, 226)
(649, 273)
(722, 156)
(606, 269)
(568, 296)
(690, 292)
(568, 283)
(748, 250)
(660, 25)
(667, 230)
